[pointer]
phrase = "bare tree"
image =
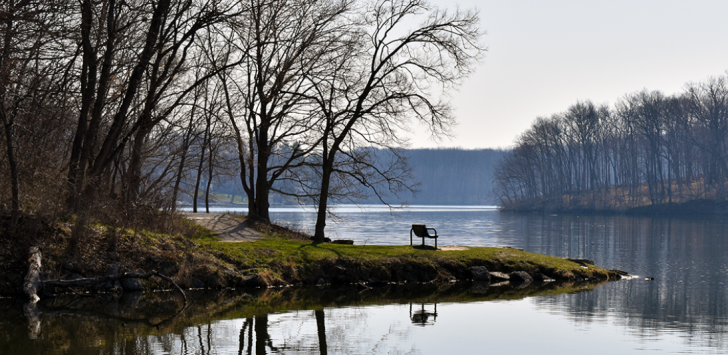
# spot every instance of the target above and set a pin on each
(709, 106)
(187, 139)
(384, 75)
(156, 83)
(31, 68)
(279, 40)
(649, 149)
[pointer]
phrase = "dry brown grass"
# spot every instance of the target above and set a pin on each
(286, 232)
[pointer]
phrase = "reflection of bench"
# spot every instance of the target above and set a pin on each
(422, 317)
(421, 231)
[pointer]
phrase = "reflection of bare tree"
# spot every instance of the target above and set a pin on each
(183, 341)
(167, 342)
(261, 334)
(263, 342)
(321, 330)
(342, 315)
(199, 337)
(246, 325)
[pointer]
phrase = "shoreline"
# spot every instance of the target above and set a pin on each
(692, 208)
(281, 258)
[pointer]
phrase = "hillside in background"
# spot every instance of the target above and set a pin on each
(453, 176)
(444, 177)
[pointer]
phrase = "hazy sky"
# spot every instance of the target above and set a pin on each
(544, 56)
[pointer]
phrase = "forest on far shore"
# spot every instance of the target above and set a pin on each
(647, 149)
(449, 176)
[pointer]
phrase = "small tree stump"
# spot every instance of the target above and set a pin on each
(33, 281)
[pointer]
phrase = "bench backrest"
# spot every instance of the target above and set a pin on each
(420, 230)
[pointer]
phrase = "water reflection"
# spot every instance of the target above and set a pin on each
(261, 343)
(421, 316)
(688, 257)
(274, 321)
(685, 309)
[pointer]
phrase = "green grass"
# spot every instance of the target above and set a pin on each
(276, 260)
(273, 251)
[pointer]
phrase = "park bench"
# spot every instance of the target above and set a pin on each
(421, 231)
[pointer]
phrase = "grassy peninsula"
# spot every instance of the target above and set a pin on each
(195, 258)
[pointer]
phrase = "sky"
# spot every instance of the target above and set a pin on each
(546, 55)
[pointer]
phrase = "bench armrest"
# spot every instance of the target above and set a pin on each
(433, 229)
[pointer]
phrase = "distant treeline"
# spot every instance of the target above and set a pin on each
(439, 177)
(647, 149)
(453, 176)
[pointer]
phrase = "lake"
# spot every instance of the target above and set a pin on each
(683, 310)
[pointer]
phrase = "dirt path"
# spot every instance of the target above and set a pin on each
(227, 227)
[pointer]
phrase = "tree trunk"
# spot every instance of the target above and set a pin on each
(8, 123)
(209, 180)
(178, 179)
(33, 281)
(88, 84)
(319, 234)
(185, 148)
(249, 188)
(262, 190)
(199, 173)
(14, 180)
(134, 173)
(109, 147)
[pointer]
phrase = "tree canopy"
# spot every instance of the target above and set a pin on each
(109, 106)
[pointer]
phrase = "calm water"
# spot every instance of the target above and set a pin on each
(684, 310)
